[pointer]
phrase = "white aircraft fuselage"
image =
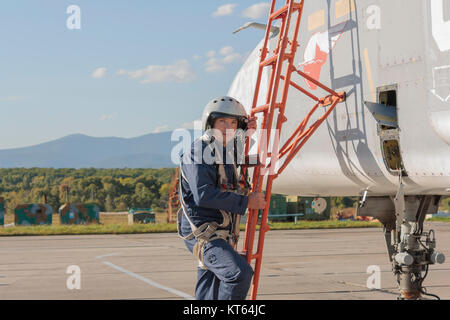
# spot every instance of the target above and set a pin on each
(392, 58)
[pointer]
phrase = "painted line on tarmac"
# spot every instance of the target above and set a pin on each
(106, 255)
(387, 290)
(150, 282)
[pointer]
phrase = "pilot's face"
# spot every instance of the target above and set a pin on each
(226, 129)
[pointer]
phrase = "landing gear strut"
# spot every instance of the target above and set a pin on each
(410, 249)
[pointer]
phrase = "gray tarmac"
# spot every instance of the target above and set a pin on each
(297, 265)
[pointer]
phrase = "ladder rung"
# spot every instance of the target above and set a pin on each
(264, 108)
(254, 256)
(278, 14)
(274, 59)
(288, 56)
(269, 61)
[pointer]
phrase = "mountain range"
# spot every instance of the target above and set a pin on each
(151, 150)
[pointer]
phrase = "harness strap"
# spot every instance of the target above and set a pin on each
(208, 232)
(204, 233)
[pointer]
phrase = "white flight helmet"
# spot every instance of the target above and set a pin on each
(224, 107)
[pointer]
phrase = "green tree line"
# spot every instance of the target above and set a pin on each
(111, 189)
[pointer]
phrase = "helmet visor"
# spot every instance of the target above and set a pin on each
(242, 121)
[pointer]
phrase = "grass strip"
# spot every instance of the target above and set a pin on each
(327, 224)
(439, 219)
(163, 227)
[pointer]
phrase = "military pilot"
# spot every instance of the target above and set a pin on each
(211, 194)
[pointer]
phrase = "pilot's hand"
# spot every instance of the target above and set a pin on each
(251, 126)
(256, 200)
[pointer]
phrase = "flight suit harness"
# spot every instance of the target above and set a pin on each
(208, 232)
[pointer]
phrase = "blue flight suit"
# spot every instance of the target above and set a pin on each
(229, 275)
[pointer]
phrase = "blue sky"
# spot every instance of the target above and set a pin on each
(134, 67)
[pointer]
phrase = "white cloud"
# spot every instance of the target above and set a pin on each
(108, 117)
(213, 65)
(257, 11)
(226, 50)
(225, 10)
(218, 62)
(180, 71)
(211, 54)
(192, 124)
(161, 129)
(99, 73)
(232, 57)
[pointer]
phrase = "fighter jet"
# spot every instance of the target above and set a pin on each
(389, 142)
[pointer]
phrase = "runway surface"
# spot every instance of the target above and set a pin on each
(297, 265)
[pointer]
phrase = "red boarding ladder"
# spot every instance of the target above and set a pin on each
(282, 55)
